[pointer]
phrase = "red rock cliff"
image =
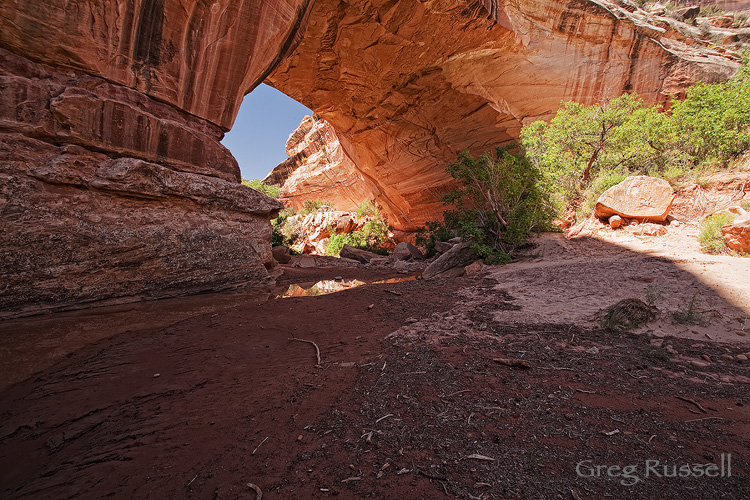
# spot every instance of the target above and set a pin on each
(412, 83)
(114, 184)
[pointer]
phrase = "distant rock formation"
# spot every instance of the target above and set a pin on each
(319, 167)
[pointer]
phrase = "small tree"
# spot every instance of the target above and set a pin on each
(500, 200)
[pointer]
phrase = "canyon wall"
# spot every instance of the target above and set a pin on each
(115, 186)
(319, 167)
(411, 83)
(113, 183)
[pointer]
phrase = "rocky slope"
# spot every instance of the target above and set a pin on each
(409, 83)
(114, 184)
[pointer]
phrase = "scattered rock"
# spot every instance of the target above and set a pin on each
(474, 267)
(281, 254)
(442, 246)
(362, 256)
(637, 197)
(455, 241)
(457, 257)
(671, 350)
(737, 235)
(406, 251)
(616, 221)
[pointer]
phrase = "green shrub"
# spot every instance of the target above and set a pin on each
(710, 237)
(312, 206)
(584, 145)
(371, 237)
(271, 190)
(283, 233)
(500, 200)
(432, 232)
(367, 209)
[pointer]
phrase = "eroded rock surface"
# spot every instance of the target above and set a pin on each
(114, 185)
(409, 84)
(320, 167)
(637, 197)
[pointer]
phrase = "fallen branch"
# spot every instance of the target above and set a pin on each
(384, 417)
(256, 448)
(317, 349)
(691, 401)
(256, 489)
(477, 456)
(514, 362)
(458, 392)
(394, 292)
(705, 418)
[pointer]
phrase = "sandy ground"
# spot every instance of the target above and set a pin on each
(497, 385)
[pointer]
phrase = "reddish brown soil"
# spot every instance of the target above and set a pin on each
(407, 392)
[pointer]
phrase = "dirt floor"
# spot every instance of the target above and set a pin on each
(497, 385)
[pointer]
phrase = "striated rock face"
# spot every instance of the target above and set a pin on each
(409, 84)
(320, 167)
(114, 186)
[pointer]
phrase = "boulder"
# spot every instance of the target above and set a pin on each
(637, 197)
(405, 251)
(363, 256)
(281, 254)
(459, 256)
(616, 221)
(737, 235)
(442, 246)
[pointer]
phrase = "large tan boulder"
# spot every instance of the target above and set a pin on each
(737, 235)
(637, 197)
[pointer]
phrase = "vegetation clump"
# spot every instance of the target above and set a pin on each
(499, 201)
(710, 237)
(584, 150)
(371, 237)
(270, 190)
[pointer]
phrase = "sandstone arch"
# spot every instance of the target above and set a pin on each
(115, 186)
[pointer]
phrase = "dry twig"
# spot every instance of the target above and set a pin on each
(688, 400)
(256, 448)
(317, 349)
(256, 489)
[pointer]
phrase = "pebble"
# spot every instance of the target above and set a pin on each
(706, 357)
(657, 342)
(741, 357)
(699, 364)
(671, 350)
(157, 375)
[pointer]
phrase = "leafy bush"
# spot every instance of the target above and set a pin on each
(584, 147)
(367, 209)
(282, 232)
(432, 232)
(312, 206)
(710, 237)
(499, 202)
(371, 237)
(269, 190)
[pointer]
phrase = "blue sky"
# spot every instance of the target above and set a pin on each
(265, 120)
